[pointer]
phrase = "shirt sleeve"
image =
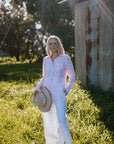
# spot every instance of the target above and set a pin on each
(70, 73)
(42, 79)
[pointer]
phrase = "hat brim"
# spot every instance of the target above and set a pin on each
(48, 97)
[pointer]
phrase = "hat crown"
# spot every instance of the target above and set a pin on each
(43, 100)
(40, 100)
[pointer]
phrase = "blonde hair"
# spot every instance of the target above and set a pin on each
(60, 46)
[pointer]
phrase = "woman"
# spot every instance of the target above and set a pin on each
(56, 67)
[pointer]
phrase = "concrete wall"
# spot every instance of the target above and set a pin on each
(94, 43)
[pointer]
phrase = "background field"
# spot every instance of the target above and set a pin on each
(90, 111)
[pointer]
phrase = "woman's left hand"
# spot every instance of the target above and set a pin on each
(65, 92)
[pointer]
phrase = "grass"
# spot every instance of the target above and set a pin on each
(89, 110)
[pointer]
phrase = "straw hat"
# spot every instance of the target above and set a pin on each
(43, 100)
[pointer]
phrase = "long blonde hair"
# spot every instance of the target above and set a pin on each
(60, 46)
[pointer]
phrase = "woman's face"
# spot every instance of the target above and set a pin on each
(53, 46)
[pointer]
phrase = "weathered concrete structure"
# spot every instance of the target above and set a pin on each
(94, 42)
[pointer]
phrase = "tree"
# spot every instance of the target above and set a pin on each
(59, 22)
(52, 18)
(17, 32)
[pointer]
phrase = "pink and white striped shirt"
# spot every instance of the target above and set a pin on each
(55, 74)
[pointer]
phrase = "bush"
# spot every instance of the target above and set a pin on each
(8, 59)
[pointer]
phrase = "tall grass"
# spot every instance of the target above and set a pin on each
(22, 123)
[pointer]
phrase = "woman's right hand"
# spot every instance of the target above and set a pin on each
(35, 92)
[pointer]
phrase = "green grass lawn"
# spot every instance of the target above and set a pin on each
(89, 110)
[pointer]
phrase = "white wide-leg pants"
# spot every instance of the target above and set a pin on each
(56, 130)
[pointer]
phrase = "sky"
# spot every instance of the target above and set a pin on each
(7, 2)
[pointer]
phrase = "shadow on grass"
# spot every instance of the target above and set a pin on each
(31, 72)
(105, 101)
(20, 72)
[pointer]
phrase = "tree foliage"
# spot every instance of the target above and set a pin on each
(18, 32)
(25, 27)
(54, 19)
(58, 21)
